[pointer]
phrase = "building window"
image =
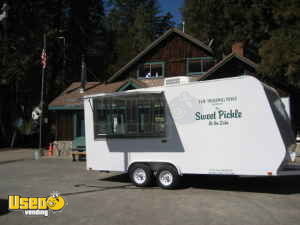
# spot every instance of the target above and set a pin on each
(133, 115)
(151, 70)
(199, 65)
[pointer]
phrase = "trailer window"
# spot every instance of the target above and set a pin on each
(129, 116)
(102, 117)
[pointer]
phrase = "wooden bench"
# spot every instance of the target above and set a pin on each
(78, 153)
(78, 148)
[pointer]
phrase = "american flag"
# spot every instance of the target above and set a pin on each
(44, 58)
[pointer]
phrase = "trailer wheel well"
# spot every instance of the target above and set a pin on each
(155, 166)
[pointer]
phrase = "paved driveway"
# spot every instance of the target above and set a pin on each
(109, 198)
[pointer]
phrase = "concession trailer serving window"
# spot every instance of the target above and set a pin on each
(130, 115)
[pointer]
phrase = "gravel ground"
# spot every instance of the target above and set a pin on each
(109, 198)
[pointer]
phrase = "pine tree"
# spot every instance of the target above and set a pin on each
(228, 21)
(271, 27)
(135, 24)
(20, 58)
(281, 53)
(88, 36)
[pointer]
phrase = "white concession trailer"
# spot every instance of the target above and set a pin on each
(234, 126)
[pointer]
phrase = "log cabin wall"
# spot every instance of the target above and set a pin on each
(173, 51)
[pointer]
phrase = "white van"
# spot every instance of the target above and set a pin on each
(234, 126)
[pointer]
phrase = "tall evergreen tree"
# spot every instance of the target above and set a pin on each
(271, 28)
(135, 24)
(228, 21)
(20, 69)
(281, 53)
(88, 36)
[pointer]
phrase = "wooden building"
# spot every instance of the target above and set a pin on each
(173, 54)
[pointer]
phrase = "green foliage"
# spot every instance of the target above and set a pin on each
(228, 21)
(20, 51)
(270, 27)
(281, 53)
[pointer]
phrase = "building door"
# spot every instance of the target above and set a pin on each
(79, 124)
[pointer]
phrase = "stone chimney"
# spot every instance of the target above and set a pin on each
(239, 48)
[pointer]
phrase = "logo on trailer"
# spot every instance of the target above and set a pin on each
(182, 106)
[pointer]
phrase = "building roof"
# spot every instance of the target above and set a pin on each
(71, 97)
(153, 82)
(154, 44)
(226, 60)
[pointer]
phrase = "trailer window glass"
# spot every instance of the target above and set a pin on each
(129, 116)
(102, 117)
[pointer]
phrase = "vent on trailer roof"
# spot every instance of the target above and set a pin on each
(177, 80)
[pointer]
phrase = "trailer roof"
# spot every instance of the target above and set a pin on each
(159, 89)
(124, 93)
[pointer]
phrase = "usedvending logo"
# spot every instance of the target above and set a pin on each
(37, 206)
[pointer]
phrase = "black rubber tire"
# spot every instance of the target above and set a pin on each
(175, 181)
(148, 172)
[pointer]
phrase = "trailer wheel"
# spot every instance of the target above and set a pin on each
(141, 175)
(167, 177)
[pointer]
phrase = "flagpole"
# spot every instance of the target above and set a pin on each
(39, 152)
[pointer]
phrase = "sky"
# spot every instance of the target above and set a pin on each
(172, 6)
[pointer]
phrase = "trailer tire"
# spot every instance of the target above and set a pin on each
(141, 175)
(167, 177)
